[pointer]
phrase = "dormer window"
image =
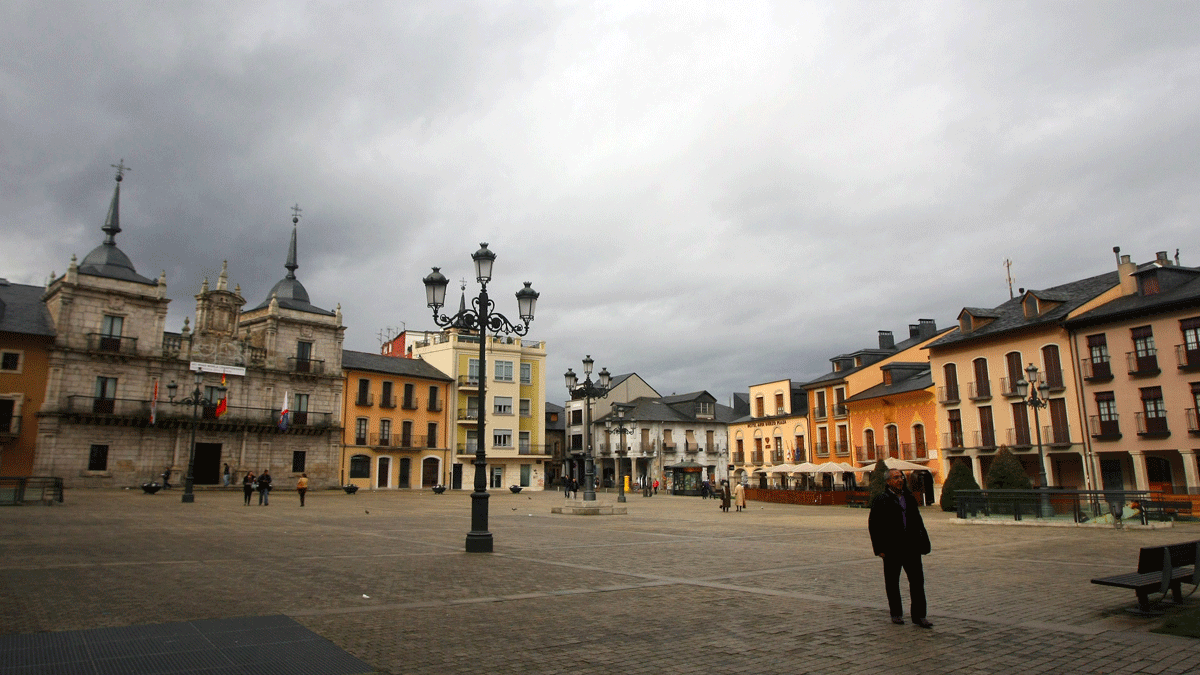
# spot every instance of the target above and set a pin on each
(1031, 305)
(837, 366)
(887, 377)
(1148, 284)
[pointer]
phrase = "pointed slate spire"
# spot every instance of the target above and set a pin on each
(112, 223)
(106, 260)
(291, 260)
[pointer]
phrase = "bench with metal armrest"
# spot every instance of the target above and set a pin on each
(1160, 568)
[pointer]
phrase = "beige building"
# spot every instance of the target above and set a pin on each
(1138, 359)
(108, 419)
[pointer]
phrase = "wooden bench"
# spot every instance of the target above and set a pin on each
(1160, 568)
(1164, 510)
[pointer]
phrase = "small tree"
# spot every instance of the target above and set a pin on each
(1007, 473)
(878, 480)
(959, 478)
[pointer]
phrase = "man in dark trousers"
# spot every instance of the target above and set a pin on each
(898, 536)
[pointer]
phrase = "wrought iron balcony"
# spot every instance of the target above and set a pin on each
(948, 394)
(1104, 428)
(468, 382)
(410, 403)
(821, 449)
(1019, 438)
(365, 400)
(308, 366)
(387, 401)
(1144, 363)
(819, 412)
(978, 391)
(1152, 426)
(1096, 371)
(113, 344)
(1188, 357)
(952, 440)
(984, 439)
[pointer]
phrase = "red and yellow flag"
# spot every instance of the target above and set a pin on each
(223, 405)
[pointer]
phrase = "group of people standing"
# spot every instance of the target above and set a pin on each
(262, 484)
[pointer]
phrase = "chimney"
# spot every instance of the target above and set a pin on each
(927, 328)
(886, 341)
(1162, 258)
(913, 330)
(1125, 273)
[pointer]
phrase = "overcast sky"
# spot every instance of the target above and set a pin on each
(712, 195)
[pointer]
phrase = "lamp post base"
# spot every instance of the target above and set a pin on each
(479, 542)
(188, 498)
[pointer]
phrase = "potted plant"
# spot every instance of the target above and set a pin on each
(515, 488)
(438, 489)
(151, 488)
(350, 489)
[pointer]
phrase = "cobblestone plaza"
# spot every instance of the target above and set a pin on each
(674, 586)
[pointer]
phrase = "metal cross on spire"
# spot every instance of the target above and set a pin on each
(296, 213)
(121, 169)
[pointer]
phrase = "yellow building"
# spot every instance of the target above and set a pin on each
(516, 448)
(396, 426)
(26, 337)
(774, 433)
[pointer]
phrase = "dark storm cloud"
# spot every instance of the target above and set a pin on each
(711, 195)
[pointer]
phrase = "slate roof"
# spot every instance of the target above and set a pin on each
(22, 310)
(1183, 295)
(879, 354)
(391, 365)
(657, 410)
(561, 424)
(906, 377)
(106, 260)
(1010, 316)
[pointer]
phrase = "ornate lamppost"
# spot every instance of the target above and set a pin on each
(195, 400)
(1038, 398)
(481, 317)
(587, 390)
(619, 455)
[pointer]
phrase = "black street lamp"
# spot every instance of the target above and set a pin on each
(195, 400)
(619, 455)
(1038, 398)
(480, 317)
(587, 390)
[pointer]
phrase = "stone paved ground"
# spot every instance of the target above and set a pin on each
(675, 586)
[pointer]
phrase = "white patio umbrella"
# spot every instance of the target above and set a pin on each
(781, 468)
(831, 467)
(893, 463)
(806, 467)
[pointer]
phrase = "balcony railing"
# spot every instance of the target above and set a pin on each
(821, 449)
(668, 447)
(113, 344)
(1145, 363)
(1188, 359)
(1054, 379)
(1019, 437)
(840, 410)
(365, 400)
(468, 381)
(1095, 370)
(948, 394)
(984, 439)
(915, 451)
(977, 391)
(819, 412)
(1008, 387)
(468, 414)
(410, 403)
(777, 458)
(865, 453)
(952, 439)
(739, 457)
(1052, 435)
(310, 366)
(435, 405)
(387, 401)
(171, 413)
(403, 441)
(1152, 426)
(1104, 429)
(841, 447)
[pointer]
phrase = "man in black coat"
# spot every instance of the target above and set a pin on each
(898, 536)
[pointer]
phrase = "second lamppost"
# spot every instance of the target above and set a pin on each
(619, 454)
(1038, 398)
(587, 390)
(480, 317)
(195, 400)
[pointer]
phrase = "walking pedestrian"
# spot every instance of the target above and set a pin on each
(739, 496)
(226, 474)
(655, 486)
(898, 536)
(166, 476)
(725, 495)
(264, 488)
(302, 486)
(249, 485)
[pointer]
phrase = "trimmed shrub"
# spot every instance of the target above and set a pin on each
(1007, 473)
(878, 480)
(959, 478)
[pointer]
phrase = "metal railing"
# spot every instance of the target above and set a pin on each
(948, 394)
(1078, 505)
(1102, 428)
(410, 403)
(10, 428)
(1151, 425)
(1187, 358)
(310, 366)
(1145, 363)
(113, 344)
(365, 400)
(979, 390)
(16, 490)
(1095, 370)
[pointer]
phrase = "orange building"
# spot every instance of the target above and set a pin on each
(26, 336)
(396, 423)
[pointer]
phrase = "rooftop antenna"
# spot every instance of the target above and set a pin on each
(1008, 275)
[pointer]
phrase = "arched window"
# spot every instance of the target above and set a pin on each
(1054, 374)
(919, 451)
(869, 445)
(360, 466)
(981, 387)
(893, 441)
(1015, 371)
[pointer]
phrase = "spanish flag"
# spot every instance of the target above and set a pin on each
(223, 405)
